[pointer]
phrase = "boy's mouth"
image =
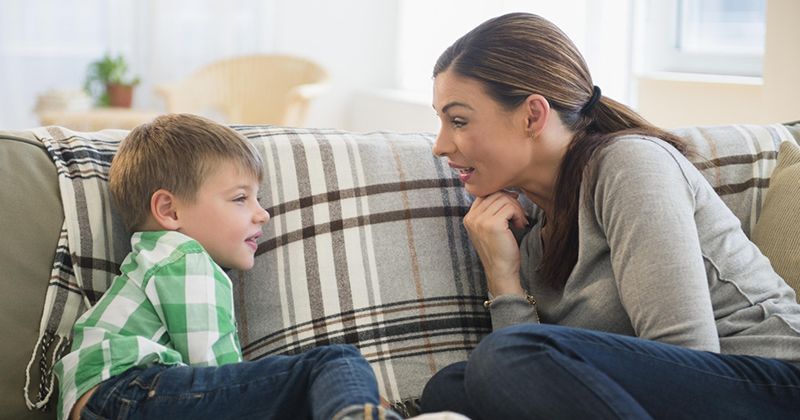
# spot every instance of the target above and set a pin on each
(252, 241)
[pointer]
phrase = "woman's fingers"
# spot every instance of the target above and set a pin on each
(487, 223)
(502, 205)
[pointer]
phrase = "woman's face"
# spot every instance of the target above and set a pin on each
(489, 146)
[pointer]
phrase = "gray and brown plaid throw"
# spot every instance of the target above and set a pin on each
(365, 246)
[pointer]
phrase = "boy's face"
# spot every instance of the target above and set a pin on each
(225, 216)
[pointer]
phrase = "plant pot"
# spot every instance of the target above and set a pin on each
(119, 95)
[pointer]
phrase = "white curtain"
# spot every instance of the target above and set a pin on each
(48, 44)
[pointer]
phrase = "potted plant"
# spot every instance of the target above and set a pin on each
(107, 80)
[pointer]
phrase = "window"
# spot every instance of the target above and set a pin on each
(723, 37)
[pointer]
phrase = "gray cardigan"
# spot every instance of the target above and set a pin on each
(663, 258)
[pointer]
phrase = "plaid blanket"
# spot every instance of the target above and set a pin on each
(91, 244)
(365, 246)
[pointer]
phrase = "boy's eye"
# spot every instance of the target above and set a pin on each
(240, 198)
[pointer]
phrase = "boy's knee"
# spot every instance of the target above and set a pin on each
(347, 350)
(336, 351)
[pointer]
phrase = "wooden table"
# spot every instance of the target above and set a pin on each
(98, 118)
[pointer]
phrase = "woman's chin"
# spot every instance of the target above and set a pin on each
(478, 191)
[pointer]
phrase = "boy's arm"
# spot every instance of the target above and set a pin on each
(194, 300)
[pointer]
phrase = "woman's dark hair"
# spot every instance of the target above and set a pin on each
(519, 54)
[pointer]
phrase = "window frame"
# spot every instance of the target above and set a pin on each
(662, 52)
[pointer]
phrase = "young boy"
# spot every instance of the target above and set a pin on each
(162, 341)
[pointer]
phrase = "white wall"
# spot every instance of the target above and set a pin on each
(599, 28)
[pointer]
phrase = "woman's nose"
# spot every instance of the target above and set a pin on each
(442, 146)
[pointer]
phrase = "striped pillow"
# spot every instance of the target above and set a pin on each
(365, 246)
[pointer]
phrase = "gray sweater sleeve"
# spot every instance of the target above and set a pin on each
(510, 310)
(644, 201)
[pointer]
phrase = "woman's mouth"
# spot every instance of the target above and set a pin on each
(464, 172)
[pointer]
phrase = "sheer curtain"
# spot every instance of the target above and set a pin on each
(47, 44)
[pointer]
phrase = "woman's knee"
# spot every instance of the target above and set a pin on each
(447, 378)
(445, 389)
(525, 337)
(501, 351)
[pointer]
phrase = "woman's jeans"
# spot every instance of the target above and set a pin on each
(319, 384)
(533, 371)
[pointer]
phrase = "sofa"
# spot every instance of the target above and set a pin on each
(365, 245)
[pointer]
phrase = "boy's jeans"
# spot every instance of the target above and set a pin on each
(322, 383)
(533, 371)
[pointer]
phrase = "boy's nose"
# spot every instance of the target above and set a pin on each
(262, 217)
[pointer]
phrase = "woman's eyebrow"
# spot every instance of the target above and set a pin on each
(452, 104)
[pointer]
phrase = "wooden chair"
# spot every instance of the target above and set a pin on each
(255, 89)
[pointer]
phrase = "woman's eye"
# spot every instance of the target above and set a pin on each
(457, 122)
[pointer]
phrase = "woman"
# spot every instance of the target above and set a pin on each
(653, 303)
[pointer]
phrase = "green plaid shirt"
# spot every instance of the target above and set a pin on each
(172, 304)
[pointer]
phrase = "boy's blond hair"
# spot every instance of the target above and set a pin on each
(175, 152)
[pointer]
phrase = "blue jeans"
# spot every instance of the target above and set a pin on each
(535, 371)
(322, 383)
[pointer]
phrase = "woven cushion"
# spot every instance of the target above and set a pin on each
(777, 232)
(365, 246)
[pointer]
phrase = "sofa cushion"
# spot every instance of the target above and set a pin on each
(365, 246)
(777, 232)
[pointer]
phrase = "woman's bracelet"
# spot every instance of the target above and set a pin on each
(528, 297)
(488, 303)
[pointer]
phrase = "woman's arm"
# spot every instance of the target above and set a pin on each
(488, 224)
(645, 203)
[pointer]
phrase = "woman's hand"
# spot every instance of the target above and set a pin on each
(487, 224)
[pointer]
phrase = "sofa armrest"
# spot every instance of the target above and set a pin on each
(31, 222)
